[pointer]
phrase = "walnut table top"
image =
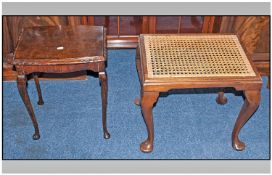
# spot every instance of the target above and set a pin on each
(60, 44)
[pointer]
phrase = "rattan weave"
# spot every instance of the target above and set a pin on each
(194, 55)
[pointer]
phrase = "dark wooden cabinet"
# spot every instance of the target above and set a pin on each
(120, 25)
(255, 37)
(180, 24)
(123, 31)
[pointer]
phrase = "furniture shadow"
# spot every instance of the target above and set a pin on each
(92, 74)
(202, 91)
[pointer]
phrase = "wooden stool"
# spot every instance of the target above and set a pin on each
(180, 61)
(60, 49)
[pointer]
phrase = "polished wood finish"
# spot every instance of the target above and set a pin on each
(147, 101)
(60, 49)
(8, 47)
(262, 63)
(84, 20)
(221, 99)
(152, 24)
(151, 87)
(252, 101)
(227, 24)
(263, 44)
(74, 20)
(208, 24)
(255, 37)
(155, 24)
(180, 24)
(21, 84)
(249, 28)
(8, 73)
(36, 79)
(168, 24)
(124, 31)
(123, 42)
(104, 96)
(12, 28)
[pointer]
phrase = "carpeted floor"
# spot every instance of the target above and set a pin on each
(188, 125)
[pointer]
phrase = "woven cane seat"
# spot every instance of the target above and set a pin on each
(195, 55)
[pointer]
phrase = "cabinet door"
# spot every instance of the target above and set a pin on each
(130, 25)
(179, 24)
(182, 24)
(120, 26)
(123, 31)
(110, 22)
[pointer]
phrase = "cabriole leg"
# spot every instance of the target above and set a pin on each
(252, 101)
(137, 100)
(104, 95)
(147, 101)
(221, 99)
(36, 79)
(21, 84)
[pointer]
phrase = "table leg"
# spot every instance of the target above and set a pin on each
(147, 101)
(36, 79)
(252, 101)
(104, 95)
(268, 82)
(137, 100)
(21, 84)
(221, 99)
(138, 64)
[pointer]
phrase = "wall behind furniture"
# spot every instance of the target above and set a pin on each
(255, 37)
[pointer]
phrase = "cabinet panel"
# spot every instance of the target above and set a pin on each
(111, 22)
(179, 24)
(167, 24)
(190, 24)
(255, 37)
(263, 44)
(130, 25)
(250, 29)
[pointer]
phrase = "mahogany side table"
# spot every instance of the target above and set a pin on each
(179, 61)
(60, 49)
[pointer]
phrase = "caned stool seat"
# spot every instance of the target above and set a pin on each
(195, 56)
(60, 49)
(180, 61)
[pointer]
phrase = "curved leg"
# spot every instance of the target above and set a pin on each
(137, 100)
(147, 101)
(221, 99)
(104, 95)
(21, 84)
(36, 79)
(250, 105)
(268, 82)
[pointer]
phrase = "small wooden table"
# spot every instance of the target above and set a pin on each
(180, 61)
(60, 49)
